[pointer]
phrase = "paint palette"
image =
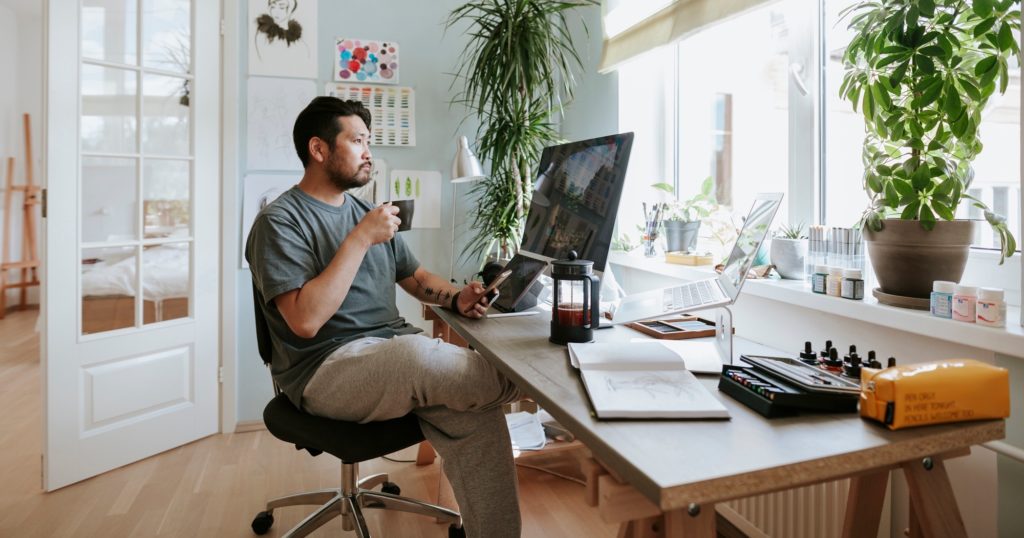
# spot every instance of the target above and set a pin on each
(772, 395)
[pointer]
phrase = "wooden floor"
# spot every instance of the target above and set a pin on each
(214, 486)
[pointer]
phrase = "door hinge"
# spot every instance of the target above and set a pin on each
(42, 471)
(220, 374)
(44, 204)
(222, 27)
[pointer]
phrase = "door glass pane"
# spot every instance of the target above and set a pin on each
(108, 30)
(166, 198)
(165, 117)
(108, 109)
(109, 199)
(167, 35)
(108, 289)
(165, 281)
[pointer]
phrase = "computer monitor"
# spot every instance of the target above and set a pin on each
(576, 199)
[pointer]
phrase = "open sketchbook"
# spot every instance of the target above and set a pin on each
(641, 380)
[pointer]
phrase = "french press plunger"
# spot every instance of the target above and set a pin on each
(575, 311)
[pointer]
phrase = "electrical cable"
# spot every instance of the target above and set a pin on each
(553, 473)
(398, 461)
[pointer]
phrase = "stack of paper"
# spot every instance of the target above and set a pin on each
(641, 380)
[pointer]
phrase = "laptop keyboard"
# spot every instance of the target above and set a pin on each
(688, 295)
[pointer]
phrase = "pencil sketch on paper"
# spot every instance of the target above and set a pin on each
(652, 384)
(273, 105)
(282, 34)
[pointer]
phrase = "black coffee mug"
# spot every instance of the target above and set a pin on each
(406, 208)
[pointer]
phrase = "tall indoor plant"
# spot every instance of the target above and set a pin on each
(517, 73)
(921, 72)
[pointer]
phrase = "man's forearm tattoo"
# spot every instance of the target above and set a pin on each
(442, 296)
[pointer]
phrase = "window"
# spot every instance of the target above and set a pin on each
(753, 102)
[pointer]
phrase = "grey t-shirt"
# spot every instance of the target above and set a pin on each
(291, 242)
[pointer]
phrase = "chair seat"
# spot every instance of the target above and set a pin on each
(350, 442)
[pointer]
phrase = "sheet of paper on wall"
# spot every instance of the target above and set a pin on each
(273, 105)
(282, 39)
(641, 380)
(424, 186)
(258, 191)
(392, 111)
(375, 61)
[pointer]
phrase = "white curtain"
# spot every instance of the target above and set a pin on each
(633, 27)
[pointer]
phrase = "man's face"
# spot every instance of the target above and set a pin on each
(349, 161)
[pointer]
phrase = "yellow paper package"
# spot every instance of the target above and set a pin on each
(952, 390)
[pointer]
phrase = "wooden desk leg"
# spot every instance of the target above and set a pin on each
(425, 454)
(864, 504)
(679, 523)
(934, 504)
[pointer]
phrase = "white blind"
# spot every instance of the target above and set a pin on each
(632, 28)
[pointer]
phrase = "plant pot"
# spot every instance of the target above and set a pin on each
(787, 256)
(907, 258)
(681, 236)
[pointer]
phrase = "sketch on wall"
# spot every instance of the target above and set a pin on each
(393, 111)
(366, 60)
(424, 186)
(258, 191)
(282, 38)
(273, 104)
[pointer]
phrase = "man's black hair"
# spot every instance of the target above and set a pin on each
(320, 119)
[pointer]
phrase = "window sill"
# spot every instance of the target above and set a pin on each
(1008, 340)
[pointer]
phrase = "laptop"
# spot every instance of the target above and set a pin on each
(712, 292)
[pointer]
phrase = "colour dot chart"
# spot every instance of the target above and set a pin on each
(393, 109)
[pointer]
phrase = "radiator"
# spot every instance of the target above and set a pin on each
(810, 512)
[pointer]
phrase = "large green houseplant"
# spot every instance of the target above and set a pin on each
(517, 73)
(921, 72)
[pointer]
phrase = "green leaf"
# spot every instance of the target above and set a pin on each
(985, 65)
(984, 26)
(933, 50)
(707, 187)
(892, 198)
(952, 104)
(910, 212)
(1005, 37)
(929, 95)
(868, 107)
(984, 7)
(921, 179)
(943, 210)
(874, 182)
(662, 186)
(969, 88)
(927, 218)
(903, 188)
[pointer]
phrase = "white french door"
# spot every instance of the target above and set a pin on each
(130, 297)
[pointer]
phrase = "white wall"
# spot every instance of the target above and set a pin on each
(21, 65)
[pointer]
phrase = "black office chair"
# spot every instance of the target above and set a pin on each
(350, 442)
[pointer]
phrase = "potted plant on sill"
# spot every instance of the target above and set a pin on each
(517, 72)
(921, 72)
(683, 217)
(788, 251)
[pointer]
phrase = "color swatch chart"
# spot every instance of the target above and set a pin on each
(393, 110)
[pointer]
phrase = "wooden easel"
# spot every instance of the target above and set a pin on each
(29, 263)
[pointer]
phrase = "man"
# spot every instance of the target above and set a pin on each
(325, 264)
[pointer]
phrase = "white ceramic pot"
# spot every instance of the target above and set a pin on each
(788, 257)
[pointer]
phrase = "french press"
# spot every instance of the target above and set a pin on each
(575, 311)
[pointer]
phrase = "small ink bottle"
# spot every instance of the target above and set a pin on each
(991, 307)
(834, 284)
(872, 361)
(819, 278)
(965, 301)
(942, 298)
(833, 363)
(807, 355)
(853, 285)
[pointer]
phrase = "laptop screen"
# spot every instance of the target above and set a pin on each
(749, 240)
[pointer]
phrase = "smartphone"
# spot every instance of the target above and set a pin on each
(503, 276)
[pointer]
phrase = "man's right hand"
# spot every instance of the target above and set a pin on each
(379, 225)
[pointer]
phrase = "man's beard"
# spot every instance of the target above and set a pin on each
(345, 182)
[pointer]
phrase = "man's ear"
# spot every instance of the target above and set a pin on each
(317, 150)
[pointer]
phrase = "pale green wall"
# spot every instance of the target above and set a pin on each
(1011, 472)
(427, 55)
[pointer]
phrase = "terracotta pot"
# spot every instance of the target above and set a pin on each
(681, 236)
(907, 258)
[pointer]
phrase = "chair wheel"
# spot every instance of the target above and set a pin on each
(391, 487)
(262, 522)
(456, 532)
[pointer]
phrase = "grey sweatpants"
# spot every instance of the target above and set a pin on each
(457, 396)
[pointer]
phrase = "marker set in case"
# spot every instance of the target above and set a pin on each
(779, 386)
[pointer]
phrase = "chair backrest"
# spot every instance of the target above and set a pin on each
(262, 329)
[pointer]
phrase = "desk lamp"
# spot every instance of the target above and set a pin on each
(466, 168)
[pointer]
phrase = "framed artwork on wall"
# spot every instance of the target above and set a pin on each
(282, 38)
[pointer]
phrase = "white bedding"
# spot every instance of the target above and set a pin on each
(164, 274)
